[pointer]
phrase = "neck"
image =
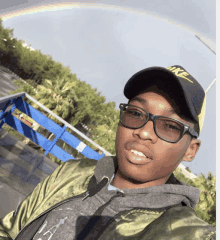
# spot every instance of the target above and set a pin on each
(122, 182)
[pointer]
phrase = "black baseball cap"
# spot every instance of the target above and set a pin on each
(176, 81)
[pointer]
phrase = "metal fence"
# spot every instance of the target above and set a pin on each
(10, 103)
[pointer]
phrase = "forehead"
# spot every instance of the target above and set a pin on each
(150, 98)
(164, 102)
(165, 96)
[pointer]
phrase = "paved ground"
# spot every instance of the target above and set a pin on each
(6, 81)
(21, 169)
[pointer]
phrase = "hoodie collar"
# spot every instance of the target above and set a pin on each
(108, 165)
(171, 193)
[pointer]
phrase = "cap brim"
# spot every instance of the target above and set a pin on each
(146, 78)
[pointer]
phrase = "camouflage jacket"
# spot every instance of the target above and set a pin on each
(179, 222)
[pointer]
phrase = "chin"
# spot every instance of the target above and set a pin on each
(133, 176)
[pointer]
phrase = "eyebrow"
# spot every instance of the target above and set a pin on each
(141, 100)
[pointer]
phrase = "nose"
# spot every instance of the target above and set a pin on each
(146, 132)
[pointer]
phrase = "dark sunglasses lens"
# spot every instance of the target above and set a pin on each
(168, 129)
(133, 117)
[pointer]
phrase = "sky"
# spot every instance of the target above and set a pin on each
(104, 45)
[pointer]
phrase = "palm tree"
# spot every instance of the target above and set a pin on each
(58, 96)
(206, 209)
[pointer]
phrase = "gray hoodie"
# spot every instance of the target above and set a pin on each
(74, 217)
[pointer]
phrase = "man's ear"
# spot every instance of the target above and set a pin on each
(191, 150)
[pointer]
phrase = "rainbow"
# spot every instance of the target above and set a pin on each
(70, 5)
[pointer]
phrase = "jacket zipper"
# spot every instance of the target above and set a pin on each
(64, 201)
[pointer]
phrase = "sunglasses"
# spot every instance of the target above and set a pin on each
(166, 128)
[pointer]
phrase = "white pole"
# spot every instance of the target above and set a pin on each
(210, 85)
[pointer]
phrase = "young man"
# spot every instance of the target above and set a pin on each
(135, 194)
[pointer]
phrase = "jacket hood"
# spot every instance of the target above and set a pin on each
(173, 192)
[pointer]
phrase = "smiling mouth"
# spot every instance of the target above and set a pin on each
(137, 158)
(137, 153)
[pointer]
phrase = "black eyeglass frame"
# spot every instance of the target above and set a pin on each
(153, 118)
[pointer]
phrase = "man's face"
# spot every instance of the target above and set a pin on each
(162, 157)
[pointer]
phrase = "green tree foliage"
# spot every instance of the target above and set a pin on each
(79, 104)
(26, 63)
(179, 174)
(206, 208)
(6, 39)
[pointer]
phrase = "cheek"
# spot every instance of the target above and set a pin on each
(172, 153)
(122, 135)
(166, 161)
(118, 140)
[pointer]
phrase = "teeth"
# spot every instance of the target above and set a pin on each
(138, 153)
